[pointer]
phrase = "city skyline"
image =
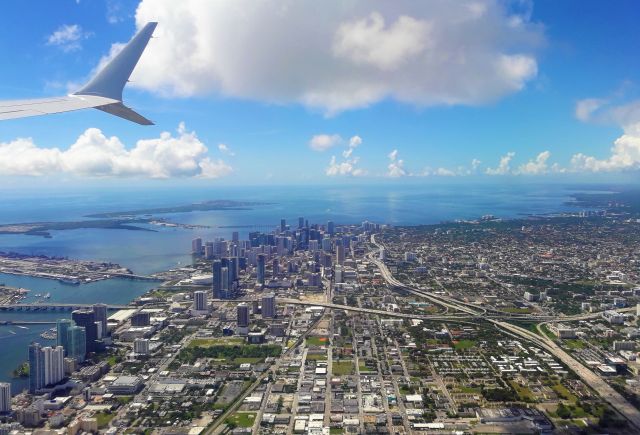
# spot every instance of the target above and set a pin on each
(564, 96)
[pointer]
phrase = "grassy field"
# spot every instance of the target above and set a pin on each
(464, 344)
(343, 368)
(317, 357)
(242, 419)
(209, 342)
(562, 391)
(515, 310)
(103, 419)
(523, 392)
(574, 344)
(247, 360)
(317, 341)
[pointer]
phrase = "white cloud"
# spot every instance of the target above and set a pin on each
(625, 153)
(322, 142)
(475, 163)
(396, 166)
(504, 167)
(367, 41)
(337, 55)
(95, 155)
(348, 166)
(537, 166)
(586, 108)
(224, 149)
(68, 37)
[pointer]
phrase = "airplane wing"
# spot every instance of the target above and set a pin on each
(103, 92)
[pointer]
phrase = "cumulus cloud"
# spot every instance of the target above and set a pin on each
(504, 167)
(322, 142)
(346, 167)
(95, 155)
(334, 55)
(625, 152)
(625, 155)
(68, 37)
(537, 166)
(396, 165)
(349, 165)
(224, 149)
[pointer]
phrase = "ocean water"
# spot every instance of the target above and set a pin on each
(147, 252)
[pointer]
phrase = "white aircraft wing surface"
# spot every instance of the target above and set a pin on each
(103, 92)
(23, 108)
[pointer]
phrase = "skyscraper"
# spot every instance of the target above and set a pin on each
(340, 253)
(269, 305)
(235, 236)
(36, 368)
(283, 225)
(196, 246)
(53, 364)
(62, 326)
(5, 397)
(226, 285)
(243, 315)
(200, 301)
(300, 222)
(216, 269)
(260, 269)
(77, 342)
(87, 319)
(331, 228)
(100, 313)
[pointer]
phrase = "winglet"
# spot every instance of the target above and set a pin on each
(110, 81)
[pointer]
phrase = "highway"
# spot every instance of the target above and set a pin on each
(599, 385)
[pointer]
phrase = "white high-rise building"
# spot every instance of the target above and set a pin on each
(53, 364)
(5, 397)
(141, 346)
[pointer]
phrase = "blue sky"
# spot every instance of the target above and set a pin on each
(265, 103)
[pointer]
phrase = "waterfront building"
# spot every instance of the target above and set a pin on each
(331, 228)
(100, 313)
(77, 342)
(196, 246)
(87, 320)
(36, 368)
(53, 364)
(62, 326)
(5, 397)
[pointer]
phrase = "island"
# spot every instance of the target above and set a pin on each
(199, 206)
